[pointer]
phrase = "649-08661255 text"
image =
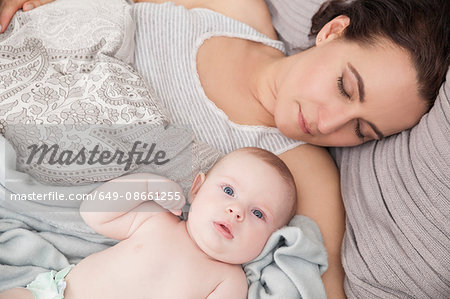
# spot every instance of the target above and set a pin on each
(102, 196)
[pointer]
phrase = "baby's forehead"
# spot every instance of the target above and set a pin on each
(249, 168)
(259, 173)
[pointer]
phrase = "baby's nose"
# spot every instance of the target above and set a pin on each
(236, 213)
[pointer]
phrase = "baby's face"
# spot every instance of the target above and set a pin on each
(236, 209)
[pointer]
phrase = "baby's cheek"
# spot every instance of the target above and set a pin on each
(258, 241)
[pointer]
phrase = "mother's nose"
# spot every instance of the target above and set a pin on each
(333, 119)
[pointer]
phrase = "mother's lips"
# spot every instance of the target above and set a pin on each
(303, 123)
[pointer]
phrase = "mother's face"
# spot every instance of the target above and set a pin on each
(341, 94)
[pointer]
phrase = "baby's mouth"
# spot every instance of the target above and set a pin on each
(224, 229)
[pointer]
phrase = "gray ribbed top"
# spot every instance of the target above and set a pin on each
(167, 40)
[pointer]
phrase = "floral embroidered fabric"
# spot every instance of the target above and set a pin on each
(65, 80)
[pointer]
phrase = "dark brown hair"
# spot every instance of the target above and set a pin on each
(422, 27)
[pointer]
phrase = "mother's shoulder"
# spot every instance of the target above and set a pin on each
(307, 149)
(310, 159)
(254, 13)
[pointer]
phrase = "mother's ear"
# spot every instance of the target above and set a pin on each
(198, 182)
(332, 30)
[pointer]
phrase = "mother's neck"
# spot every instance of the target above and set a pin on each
(265, 73)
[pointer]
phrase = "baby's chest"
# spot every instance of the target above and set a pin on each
(173, 268)
(185, 278)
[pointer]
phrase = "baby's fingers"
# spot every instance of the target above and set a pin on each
(9, 8)
(7, 11)
(29, 5)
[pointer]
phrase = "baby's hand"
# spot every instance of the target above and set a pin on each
(9, 7)
(167, 194)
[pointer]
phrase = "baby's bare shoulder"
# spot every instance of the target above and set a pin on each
(162, 221)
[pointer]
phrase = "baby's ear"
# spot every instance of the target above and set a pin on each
(198, 181)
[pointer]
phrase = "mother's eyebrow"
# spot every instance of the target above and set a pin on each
(361, 91)
(361, 97)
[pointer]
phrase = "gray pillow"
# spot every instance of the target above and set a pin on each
(397, 199)
(292, 21)
(396, 194)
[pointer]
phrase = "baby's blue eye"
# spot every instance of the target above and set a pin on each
(228, 190)
(258, 214)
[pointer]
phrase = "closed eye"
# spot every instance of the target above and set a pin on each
(358, 130)
(340, 84)
(342, 91)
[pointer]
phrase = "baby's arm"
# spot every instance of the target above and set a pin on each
(234, 286)
(119, 219)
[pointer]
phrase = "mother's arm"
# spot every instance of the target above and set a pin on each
(319, 198)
